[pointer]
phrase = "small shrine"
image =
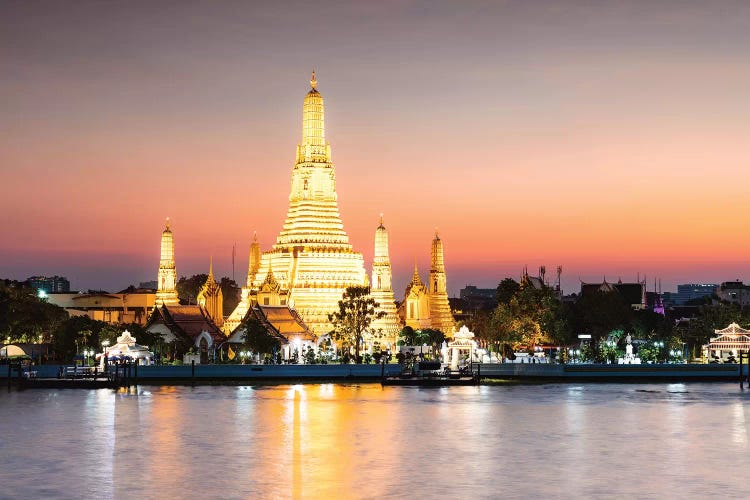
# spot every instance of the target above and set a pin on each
(463, 340)
(727, 343)
(126, 347)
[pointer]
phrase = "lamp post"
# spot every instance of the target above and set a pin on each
(105, 344)
(659, 344)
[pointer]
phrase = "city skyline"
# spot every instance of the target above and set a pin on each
(604, 138)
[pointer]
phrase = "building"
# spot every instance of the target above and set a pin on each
(115, 308)
(633, 294)
(478, 298)
(166, 293)
(186, 327)
(727, 344)
(52, 284)
(428, 306)
(381, 289)
(312, 261)
(283, 323)
(211, 298)
(692, 291)
(735, 292)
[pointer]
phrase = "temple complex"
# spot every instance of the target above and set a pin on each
(211, 298)
(381, 289)
(428, 307)
(312, 262)
(166, 294)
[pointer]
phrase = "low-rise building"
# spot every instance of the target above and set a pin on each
(115, 308)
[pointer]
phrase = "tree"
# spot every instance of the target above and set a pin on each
(407, 336)
(257, 338)
(231, 294)
(432, 337)
(24, 317)
(601, 312)
(188, 288)
(506, 290)
(357, 311)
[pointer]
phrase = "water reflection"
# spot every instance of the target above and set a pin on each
(310, 441)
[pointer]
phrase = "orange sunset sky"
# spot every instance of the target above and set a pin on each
(611, 138)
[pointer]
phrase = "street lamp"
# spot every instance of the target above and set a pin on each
(660, 345)
(105, 344)
(87, 353)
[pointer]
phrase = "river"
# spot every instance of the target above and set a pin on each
(364, 441)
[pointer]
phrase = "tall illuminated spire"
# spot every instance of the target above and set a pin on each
(166, 292)
(254, 261)
(440, 310)
(381, 289)
(312, 260)
(313, 147)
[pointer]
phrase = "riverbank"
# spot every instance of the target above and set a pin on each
(489, 373)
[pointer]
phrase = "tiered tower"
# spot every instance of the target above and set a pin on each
(312, 260)
(382, 289)
(440, 309)
(167, 278)
(211, 298)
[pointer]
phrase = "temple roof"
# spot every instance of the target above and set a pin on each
(186, 321)
(732, 329)
(281, 321)
(632, 293)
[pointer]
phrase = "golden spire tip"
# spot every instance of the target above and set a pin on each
(313, 81)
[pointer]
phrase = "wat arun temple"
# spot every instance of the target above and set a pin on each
(312, 262)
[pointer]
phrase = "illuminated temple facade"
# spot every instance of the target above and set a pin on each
(428, 306)
(312, 262)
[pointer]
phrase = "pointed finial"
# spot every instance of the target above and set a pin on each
(436, 233)
(167, 223)
(211, 266)
(313, 81)
(255, 237)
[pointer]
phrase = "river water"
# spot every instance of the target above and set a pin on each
(364, 441)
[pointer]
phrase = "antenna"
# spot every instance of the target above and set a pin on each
(234, 253)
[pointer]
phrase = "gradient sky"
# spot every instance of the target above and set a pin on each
(611, 138)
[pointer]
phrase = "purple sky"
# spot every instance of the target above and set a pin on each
(606, 137)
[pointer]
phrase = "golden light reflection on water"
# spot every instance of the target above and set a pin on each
(355, 441)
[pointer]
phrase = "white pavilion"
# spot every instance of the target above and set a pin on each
(728, 341)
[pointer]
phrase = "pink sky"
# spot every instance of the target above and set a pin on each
(610, 139)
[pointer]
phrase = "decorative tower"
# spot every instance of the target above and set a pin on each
(254, 259)
(211, 298)
(167, 279)
(236, 317)
(381, 289)
(312, 260)
(440, 309)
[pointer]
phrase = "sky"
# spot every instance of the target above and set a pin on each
(610, 138)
